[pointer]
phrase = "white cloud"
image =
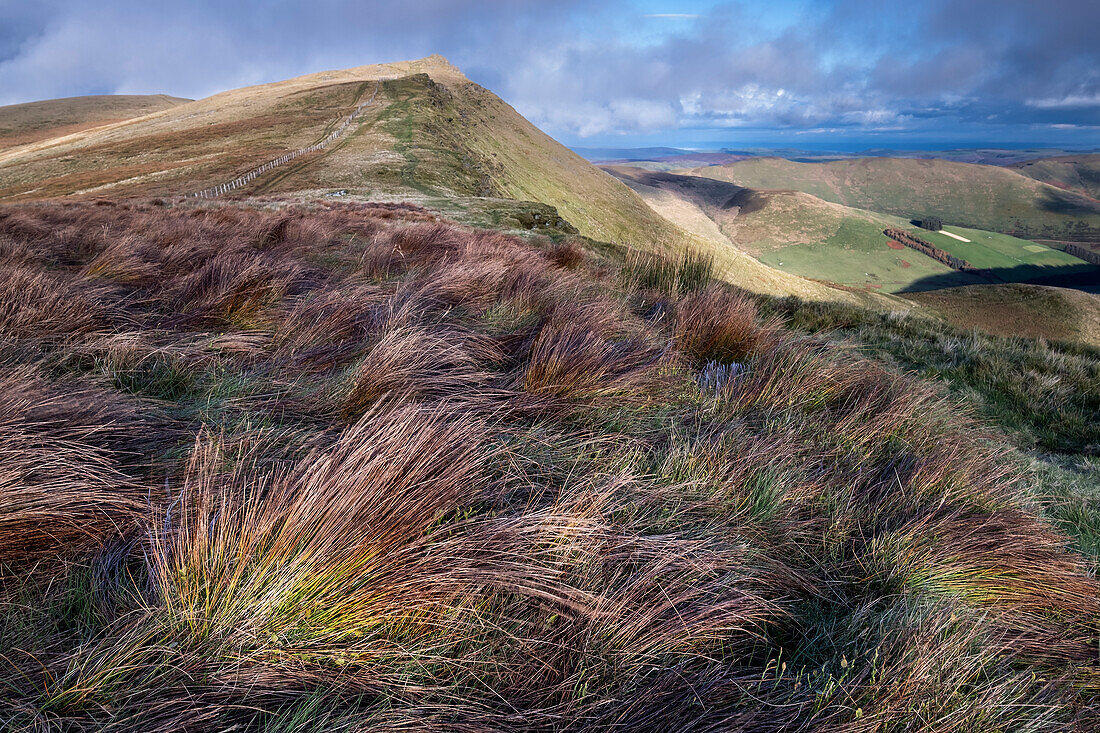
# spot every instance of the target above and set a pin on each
(1069, 101)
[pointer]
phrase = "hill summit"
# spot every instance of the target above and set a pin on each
(421, 131)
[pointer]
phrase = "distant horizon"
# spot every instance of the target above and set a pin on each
(849, 148)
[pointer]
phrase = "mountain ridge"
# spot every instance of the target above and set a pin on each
(434, 133)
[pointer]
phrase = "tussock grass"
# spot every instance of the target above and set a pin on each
(37, 304)
(58, 498)
(649, 271)
(416, 361)
(61, 491)
(345, 543)
(343, 467)
(571, 362)
(718, 325)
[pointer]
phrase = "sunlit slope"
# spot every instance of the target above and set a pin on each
(428, 132)
(979, 196)
(1080, 173)
(32, 122)
(798, 234)
(706, 209)
(182, 149)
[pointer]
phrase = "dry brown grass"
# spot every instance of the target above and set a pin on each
(569, 362)
(59, 498)
(718, 325)
(61, 492)
(529, 518)
(410, 361)
(40, 304)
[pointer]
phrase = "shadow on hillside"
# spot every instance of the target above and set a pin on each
(702, 191)
(1070, 203)
(1083, 277)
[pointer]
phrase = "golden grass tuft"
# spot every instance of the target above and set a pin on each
(571, 362)
(718, 325)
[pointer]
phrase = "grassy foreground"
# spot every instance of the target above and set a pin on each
(354, 468)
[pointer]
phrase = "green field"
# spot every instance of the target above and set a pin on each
(857, 254)
(989, 250)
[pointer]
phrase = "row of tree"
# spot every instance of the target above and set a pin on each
(914, 242)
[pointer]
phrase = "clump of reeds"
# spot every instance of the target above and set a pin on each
(650, 271)
(572, 362)
(719, 325)
(413, 361)
(59, 498)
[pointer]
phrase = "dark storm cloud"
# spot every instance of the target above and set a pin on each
(581, 68)
(64, 47)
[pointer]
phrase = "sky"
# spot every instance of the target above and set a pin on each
(824, 74)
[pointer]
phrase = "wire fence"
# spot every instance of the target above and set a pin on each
(246, 178)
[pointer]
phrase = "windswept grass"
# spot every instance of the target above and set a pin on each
(647, 270)
(353, 468)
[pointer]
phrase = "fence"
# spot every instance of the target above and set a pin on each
(246, 178)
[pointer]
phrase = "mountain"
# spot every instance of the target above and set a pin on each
(425, 132)
(1079, 173)
(421, 131)
(979, 196)
(31, 122)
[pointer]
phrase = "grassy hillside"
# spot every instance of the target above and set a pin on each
(1028, 311)
(344, 467)
(34, 121)
(979, 196)
(1080, 173)
(802, 235)
(807, 236)
(1042, 396)
(430, 133)
(709, 210)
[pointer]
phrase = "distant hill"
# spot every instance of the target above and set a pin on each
(1080, 173)
(427, 133)
(603, 155)
(980, 196)
(713, 212)
(803, 235)
(33, 121)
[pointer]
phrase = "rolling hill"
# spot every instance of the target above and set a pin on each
(979, 196)
(1079, 173)
(427, 133)
(801, 234)
(423, 132)
(1029, 311)
(715, 212)
(34, 121)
